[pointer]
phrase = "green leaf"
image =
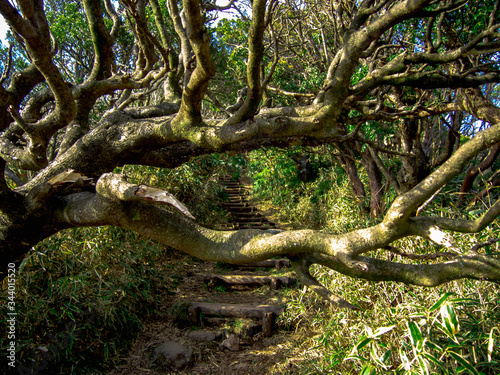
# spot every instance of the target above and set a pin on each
(435, 360)
(374, 356)
(453, 318)
(465, 363)
(367, 370)
(363, 342)
(450, 321)
(440, 301)
(434, 346)
(415, 334)
(422, 362)
(386, 356)
(405, 361)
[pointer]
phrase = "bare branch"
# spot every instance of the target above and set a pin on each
(116, 187)
(301, 267)
(255, 56)
(7, 66)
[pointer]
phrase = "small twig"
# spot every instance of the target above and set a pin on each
(6, 71)
(14, 113)
(395, 250)
(428, 201)
(483, 244)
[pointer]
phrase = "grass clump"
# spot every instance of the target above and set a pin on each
(81, 297)
(399, 329)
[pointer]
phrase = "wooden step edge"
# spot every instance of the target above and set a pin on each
(249, 280)
(269, 263)
(267, 313)
(256, 227)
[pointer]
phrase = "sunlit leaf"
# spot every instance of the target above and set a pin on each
(415, 334)
(368, 370)
(361, 344)
(381, 330)
(440, 301)
(465, 363)
(490, 345)
(450, 321)
(423, 364)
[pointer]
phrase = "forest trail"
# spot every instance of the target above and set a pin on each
(221, 345)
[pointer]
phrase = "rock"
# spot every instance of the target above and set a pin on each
(174, 354)
(242, 367)
(232, 342)
(204, 336)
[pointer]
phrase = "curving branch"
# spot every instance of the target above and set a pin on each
(34, 29)
(474, 266)
(195, 89)
(301, 268)
(378, 97)
(117, 187)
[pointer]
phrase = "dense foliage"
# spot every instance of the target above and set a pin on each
(371, 129)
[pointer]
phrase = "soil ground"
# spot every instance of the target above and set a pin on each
(258, 355)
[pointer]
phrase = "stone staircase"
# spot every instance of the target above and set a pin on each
(244, 215)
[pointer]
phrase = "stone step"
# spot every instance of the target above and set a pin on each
(239, 207)
(245, 216)
(233, 194)
(257, 226)
(236, 204)
(251, 219)
(249, 214)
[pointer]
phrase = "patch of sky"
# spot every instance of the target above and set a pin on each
(230, 13)
(3, 30)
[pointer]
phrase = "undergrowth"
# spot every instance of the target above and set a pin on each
(83, 295)
(399, 329)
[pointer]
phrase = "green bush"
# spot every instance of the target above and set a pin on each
(81, 297)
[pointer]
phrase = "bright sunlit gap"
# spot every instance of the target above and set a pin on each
(3, 29)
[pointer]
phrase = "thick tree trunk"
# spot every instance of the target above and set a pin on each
(349, 166)
(21, 229)
(376, 185)
(415, 164)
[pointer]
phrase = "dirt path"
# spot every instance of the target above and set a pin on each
(256, 354)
